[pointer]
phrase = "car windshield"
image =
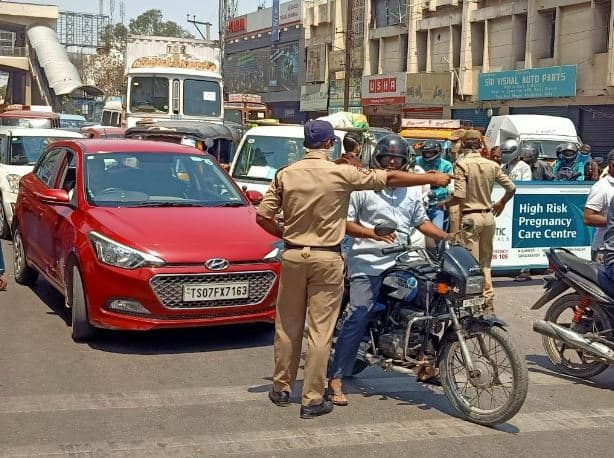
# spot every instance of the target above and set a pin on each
(546, 149)
(148, 94)
(27, 150)
(261, 156)
(31, 123)
(158, 180)
(201, 98)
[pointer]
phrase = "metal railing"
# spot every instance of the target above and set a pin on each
(13, 51)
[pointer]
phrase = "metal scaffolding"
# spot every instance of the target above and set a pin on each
(83, 30)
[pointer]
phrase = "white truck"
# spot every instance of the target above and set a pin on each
(173, 78)
(544, 132)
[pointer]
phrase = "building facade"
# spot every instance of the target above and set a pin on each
(258, 62)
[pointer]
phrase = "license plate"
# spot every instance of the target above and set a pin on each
(215, 291)
(473, 302)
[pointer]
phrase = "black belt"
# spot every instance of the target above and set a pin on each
(486, 210)
(335, 248)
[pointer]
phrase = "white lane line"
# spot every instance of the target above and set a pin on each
(267, 442)
(209, 395)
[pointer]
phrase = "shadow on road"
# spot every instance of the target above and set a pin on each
(540, 364)
(187, 340)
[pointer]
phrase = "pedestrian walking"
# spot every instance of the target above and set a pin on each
(597, 205)
(314, 195)
(474, 179)
(352, 147)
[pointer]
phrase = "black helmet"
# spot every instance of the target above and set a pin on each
(528, 153)
(431, 150)
(392, 145)
(567, 151)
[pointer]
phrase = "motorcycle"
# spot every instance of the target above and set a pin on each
(577, 329)
(429, 324)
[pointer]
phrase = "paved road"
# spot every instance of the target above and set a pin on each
(203, 393)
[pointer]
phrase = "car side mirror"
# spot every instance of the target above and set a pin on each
(254, 197)
(384, 229)
(54, 197)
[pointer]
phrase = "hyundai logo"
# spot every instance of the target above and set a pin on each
(217, 264)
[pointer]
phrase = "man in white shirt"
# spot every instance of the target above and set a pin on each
(513, 165)
(597, 204)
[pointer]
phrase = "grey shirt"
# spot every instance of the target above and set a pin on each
(609, 236)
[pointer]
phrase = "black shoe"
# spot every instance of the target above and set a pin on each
(280, 398)
(323, 408)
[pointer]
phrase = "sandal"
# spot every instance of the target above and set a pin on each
(336, 395)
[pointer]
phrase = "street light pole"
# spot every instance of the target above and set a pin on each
(222, 33)
(348, 55)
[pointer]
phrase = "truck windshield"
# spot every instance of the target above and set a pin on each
(260, 157)
(149, 94)
(233, 115)
(32, 123)
(201, 98)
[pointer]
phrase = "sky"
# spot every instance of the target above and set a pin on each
(173, 10)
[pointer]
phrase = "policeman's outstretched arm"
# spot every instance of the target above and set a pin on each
(398, 179)
(271, 225)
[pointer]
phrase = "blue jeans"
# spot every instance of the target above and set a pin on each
(1, 260)
(436, 215)
(363, 293)
(609, 270)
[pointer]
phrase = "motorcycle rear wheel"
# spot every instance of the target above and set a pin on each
(557, 350)
(501, 369)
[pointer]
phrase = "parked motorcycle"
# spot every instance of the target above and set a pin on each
(430, 326)
(577, 329)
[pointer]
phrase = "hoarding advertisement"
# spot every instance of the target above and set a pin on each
(275, 21)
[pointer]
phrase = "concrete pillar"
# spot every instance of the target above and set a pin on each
(485, 57)
(466, 63)
(451, 48)
(610, 79)
(429, 50)
(557, 37)
(530, 55)
(28, 88)
(414, 12)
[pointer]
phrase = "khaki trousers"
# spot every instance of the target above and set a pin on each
(480, 242)
(454, 216)
(311, 284)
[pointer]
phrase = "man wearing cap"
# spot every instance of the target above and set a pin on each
(597, 204)
(474, 179)
(314, 195)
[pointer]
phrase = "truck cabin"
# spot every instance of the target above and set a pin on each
(29, 118)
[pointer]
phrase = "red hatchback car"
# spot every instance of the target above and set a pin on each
(140, 235)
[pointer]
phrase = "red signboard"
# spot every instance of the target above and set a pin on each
(382, 85)
(237, 25)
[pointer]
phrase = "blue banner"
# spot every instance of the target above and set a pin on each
(275, 22)
(531, 83)
(549, 221)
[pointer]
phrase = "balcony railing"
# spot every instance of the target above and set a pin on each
(13, 51)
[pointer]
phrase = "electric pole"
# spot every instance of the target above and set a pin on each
(348, 55)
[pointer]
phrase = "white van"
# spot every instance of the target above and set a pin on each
(545, 132)
(20, 148)
(265, 149)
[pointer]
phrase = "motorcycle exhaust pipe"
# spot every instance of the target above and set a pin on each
(377, 361)
(574, 340)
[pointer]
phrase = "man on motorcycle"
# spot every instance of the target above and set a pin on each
(431, 159)
(364, 259)
(513, 165)
(609, 243)
(568, 167)
(540, 170)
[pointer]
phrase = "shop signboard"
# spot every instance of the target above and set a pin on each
(336, 93)
(316, 63)
(429, 89)
(387, 89)
(314, 97)
(530, 83)
(541, 215)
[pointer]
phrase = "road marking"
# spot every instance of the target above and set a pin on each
(210, 395)
(267, 442)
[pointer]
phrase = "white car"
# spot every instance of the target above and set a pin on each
(20, 148)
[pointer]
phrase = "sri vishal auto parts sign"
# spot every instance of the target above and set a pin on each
(531, 83)
(541, 215)
(384, 89)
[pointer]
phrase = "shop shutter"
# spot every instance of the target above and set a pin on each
(548, 111)
(474, 118)
(597, 127)
(423, 113)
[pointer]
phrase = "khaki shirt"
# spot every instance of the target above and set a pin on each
(474, 178)
(314, 195)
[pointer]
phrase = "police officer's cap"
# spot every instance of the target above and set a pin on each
(472, 134)
(317, 132)
(457, 135)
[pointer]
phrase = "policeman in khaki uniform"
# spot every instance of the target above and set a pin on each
(455, 154)
(314, 195)
(474, 179)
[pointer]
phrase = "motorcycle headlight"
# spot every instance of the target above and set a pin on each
(475, 285)
(13, 181)
(275, 254)
(115, 254)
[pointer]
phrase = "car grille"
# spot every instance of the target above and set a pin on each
(169, 288)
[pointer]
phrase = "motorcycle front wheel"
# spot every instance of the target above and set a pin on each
(568, 360)
(497, 388)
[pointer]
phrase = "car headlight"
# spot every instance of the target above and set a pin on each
(115, 254)
(275, 254)
(13, 181)
(475, 285)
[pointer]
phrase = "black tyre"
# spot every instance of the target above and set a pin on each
(567, 360)
(5, 230)
(499, 372)
(24, 274)
(82, 330)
